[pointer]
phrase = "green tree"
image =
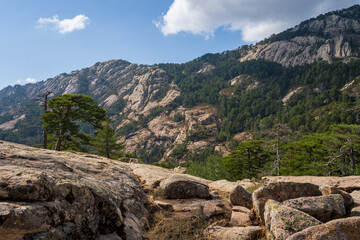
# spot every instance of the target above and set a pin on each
(246, 160)
(65, 114)
(343, 142)
(306, 156)
(106, 142)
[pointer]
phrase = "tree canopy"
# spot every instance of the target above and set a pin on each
(65, 114)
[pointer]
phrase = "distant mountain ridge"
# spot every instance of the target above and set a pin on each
(166, 110)
(328, 37)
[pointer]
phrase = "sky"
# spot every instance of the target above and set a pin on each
(41, 39)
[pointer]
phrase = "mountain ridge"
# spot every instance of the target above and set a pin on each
(166, 110)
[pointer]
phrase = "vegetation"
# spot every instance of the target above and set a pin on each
(106, 142)
(66, 111)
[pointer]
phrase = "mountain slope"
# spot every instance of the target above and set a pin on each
(328, 37)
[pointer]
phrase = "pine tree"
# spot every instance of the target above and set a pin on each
(106, 142)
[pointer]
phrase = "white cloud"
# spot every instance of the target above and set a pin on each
(256, 19)
(27, 80)
(78, 22)
(30, 80)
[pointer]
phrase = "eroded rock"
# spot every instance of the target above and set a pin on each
(240, 197)
(47, 194)
(183, 187)
(234, 233)
(323, 208)
(281, 221)
(344, 229)
(281, 191)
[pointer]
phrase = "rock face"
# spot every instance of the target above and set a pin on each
(240, 197)
(44, 195)
(182, 187)
(281, 221)
(281, 191)
(323, 208)
(349, 183)
(345, 229)
(326, 38)
(235, 233)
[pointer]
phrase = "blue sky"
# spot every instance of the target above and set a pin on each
(139, 31)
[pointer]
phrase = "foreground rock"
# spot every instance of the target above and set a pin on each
(344, 229)
(241, 216)
(58, 195)
(323, 208)
(349, 183)
(182, 187)
(281, 191)
(234, 233)
(240, 197)
(281, 221)
(348, 200)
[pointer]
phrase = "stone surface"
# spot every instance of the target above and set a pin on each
(323, 208)
(349, 183)
(281, 221)
(46, 194)
(355, 212)
(234, 233)
(240, 197)
(344, 229)
(206, 209)
(348, 200)
(356, 197)
(281, 191)
(182, 187)
(241, 216)
(226, 186)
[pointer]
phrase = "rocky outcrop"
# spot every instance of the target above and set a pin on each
(240, 197)
(346, 229)
(67, 196)
(282, 221)
(350, 183)
(234, 233)
(281, 191)
(323, 208)
(326, 38)
(182, 187)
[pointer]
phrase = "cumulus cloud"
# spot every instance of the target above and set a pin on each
(27, 80)
(30, 80)
(256, 19)
(78, 22)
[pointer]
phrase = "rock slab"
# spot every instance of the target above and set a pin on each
(344, 229)
(183, 187)
(281, 221)
(59, 195)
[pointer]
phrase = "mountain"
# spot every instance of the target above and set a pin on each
(184, 111)
(328, 37)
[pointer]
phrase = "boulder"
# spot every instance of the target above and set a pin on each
(323, 208)
(281, 191)
(60, 195)
(205, 209)
(348, 200)
(356, 197)
(355, 212)
(183, 187)
(240, 216)
(281, 221)
(344, 229)
(349, 183)
(234, 233)
(240, 197)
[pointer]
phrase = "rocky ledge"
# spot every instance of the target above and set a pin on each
(61, 195)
